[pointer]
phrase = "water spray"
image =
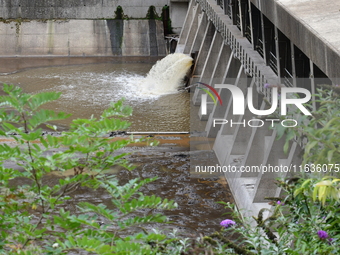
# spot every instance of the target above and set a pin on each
(166, 75)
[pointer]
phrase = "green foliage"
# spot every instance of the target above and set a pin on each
(33, 217)
(306, 220)
(319, 133)
(291, 227)
(327, 189)
(152, 14)
(323, 132)
(119, 13)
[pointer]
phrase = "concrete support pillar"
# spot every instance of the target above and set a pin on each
(224, 138)
(265, 57)
(277, 53)
(293, 63)
(312, 77)
(209, 68)
(225, 6)
(203, 52)
(178, 11)
(256, 147)
(192, 30)
(187, 23)
(202, 26)
(209, 63)
(265, 187)
(251, 24)
(274, 156)
(241, 16)
(241, 132)
(219, 76)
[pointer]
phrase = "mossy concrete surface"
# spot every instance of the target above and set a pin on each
(59, 37)
(77, 9)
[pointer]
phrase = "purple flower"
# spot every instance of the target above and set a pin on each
(266, 85)
(279, 203)
(227, 223)
(322, 234)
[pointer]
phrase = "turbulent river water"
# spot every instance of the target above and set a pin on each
(88, 89)
(152, 91)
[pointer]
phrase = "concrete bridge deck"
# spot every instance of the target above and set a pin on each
(313, 26)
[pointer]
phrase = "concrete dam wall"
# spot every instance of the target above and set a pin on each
(82, 38)
(93, 9)
(88, 27)
(254, 46)
(77, 9)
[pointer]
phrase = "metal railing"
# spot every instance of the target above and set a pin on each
(229, 38)
(259, 47)
(220, 3)
(229, 10)
(273, 61)
(247, 33)
(238, 21)
(288, 78)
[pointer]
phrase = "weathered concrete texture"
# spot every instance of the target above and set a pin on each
(178, 11)
(77, 9)
(186, 26)
(313, 26)
(116, 28)
(82, 38)
(149, 42)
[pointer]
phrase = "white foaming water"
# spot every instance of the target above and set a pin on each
(166, 75)
(86, 83)
(89, 89)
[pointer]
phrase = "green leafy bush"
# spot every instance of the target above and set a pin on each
(306, 220)
(297, 225)
(34, 218)
(319, 134)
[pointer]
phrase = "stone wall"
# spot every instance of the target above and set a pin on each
(82, 38)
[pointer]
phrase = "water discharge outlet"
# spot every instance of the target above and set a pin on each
(166, 75)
